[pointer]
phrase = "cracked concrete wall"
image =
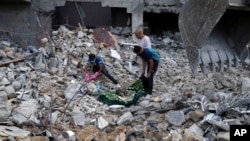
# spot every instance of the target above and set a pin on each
(27, 22)
(18, 23)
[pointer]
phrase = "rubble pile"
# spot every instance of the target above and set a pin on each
(43, 96)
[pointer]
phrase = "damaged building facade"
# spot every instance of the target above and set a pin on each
(47, 94)
(28, 21)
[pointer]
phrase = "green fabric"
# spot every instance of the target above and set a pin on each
(111, 98)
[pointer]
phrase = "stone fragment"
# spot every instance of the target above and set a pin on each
(14, 131)
(25, 112)
(80, 34)
(54, 33)
(16, 85)
(5, 43)
(3, 96)
(44, 40)
(78, 118)
(39, 138)
(196, 115)
(175, 117)
(245, 85)
(5, 81)
(102, 123)
(223, 136)
(125, 118)
(5, 111)
(10, 91)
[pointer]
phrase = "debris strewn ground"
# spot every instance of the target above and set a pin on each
(44, 96)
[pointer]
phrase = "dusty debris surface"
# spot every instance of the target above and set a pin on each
(44, 96)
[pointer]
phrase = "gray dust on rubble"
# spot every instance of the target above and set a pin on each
(47, 92)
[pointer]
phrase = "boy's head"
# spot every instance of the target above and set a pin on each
(137, 49)
(91, 57)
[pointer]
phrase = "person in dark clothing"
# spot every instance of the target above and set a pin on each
(152, 59)
(98, 66)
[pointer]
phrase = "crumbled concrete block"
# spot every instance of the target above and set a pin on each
(11, 93)
(175, 117)
(102, 123)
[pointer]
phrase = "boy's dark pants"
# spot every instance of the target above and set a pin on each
(106, 73)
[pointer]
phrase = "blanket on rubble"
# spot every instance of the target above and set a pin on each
(112, 98)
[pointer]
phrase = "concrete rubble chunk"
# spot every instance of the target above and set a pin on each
(25, 112)
(71, 91)
(102, 123)
(5, 81)
(14, 131)
(125, 118)
(196, 115)
(11, 93)
(175, 117)
(78, 118)
(116, 30)
(16, 85)
(5, 43)
(196, 130)
(39, 138)
(153, 117)
(5, 111)
(44, 40)
(223, 136)
(3, 96)
(126, 31)
(245, 88)
(80, 34)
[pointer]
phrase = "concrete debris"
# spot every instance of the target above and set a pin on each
(47, 96)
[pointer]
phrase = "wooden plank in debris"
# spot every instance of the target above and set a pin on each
(18, 59)
(104, 36)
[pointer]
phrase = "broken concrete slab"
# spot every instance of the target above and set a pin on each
(14, 131)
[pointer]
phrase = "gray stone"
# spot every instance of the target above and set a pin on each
(211, 136)
(245, 85)
(53, 70)
(5, 110)
(3, 96)
(14, 131)
(125, 118)
(5, 81)
(196, 130)
(222, 125)
(223, 136)
(11, 93)
(16, 85)
(25, 112)
(2, 54)
(175, 117)
(144, 103)
(116, 30)
(78, 118)
(102, 123)
(126, 31)
(196, 115)
(11, 76)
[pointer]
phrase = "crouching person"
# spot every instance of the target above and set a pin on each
(98, 66)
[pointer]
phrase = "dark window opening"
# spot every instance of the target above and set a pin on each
(160, 22)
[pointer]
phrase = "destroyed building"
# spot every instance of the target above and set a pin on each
(36, 18)
(56, 103)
